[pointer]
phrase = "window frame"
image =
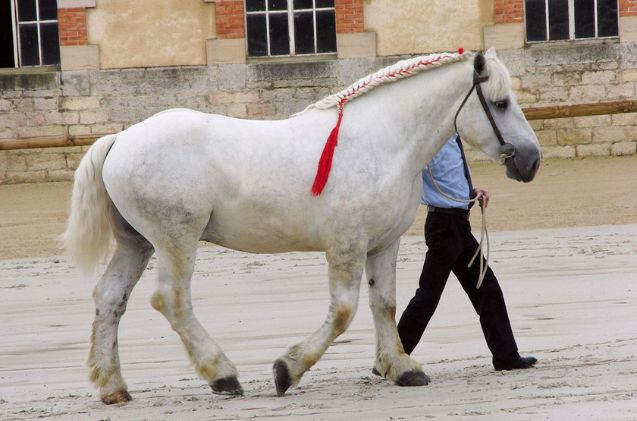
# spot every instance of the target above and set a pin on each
(290, 12)
(16, 23)
(571, 25)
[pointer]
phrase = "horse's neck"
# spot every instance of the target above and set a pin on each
(416, 114)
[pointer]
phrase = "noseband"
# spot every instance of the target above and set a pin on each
(507, 150)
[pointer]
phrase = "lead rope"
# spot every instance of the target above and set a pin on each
(484, 233)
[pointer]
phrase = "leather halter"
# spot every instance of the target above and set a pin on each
(507, 150)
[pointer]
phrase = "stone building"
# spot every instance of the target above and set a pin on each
(73, 70)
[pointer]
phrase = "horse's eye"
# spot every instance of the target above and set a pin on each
(501, 105)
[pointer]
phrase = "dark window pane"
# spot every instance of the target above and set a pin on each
(558, 19)
(26, 10)
(584, 18)
(535, 20)
(324, 3)
(255, 5)
(326, 31)
(29, 45)
(607, 18)
(257, 35)
(48, 9)
(304, 33)
(303, 4)
(279, 34)
(6, 35)
(277, 4)
(50, 44)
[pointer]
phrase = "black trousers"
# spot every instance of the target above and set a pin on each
(450, 248)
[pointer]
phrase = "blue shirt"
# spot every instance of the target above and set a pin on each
(447, 169)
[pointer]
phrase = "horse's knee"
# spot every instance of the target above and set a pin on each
(170, 303)
(157, 301)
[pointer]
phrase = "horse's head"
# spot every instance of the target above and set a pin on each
(492, 120)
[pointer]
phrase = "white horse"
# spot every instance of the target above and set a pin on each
(182, 176)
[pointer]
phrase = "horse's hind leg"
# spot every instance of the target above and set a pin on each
(172, 299)
(391, 360)
(111, 295)
(345, 271)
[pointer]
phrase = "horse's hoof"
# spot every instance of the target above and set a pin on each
(227, 386)
(413, 378)
(282, 379)
(119, 396)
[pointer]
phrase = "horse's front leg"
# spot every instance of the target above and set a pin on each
(391, 360)
(345, 272)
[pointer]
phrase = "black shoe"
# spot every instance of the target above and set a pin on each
(518, 363)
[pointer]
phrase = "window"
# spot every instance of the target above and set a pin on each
(290, 27)
(28, 33)
(570, 19)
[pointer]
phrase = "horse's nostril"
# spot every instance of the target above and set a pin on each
(536, 165)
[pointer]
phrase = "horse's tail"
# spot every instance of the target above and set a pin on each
(88, 232)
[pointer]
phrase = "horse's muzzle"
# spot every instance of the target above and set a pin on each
(523, 166)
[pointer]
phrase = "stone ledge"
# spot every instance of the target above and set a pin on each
(627, 29)
(72, 4)
(78, 57)
(504, 36)
(354, 45)
(220, 51)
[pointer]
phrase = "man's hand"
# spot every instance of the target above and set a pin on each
(484, 196)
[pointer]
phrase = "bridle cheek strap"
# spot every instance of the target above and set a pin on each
(506, 149)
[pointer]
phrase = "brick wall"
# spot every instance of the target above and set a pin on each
(508, 11)
(349, 16)
(229, 19)
(72, 26)
(628, 7)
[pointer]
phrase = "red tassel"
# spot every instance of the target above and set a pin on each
(325, 163)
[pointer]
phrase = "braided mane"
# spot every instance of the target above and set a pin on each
(393, 73)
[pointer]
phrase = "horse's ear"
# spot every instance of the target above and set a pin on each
(479, 63)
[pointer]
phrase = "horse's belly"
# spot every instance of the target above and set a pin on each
(254, 233)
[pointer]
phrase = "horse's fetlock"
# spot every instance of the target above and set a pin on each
(207, 369)
(310, 359)
(298, 361)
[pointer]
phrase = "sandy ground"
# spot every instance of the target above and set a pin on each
(564, 248)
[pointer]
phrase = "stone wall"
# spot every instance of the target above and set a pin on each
(576, 73)
(90, 103)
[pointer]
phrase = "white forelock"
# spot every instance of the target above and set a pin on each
(499, 84)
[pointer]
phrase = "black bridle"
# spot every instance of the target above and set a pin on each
(507, 150)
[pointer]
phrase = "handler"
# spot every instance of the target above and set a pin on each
(450, 248)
